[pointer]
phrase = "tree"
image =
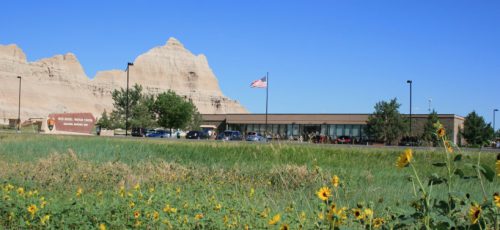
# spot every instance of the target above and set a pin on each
(386, 124)
(104, 121)
(140, 108)
(196, 120)
(429, 134)
(173, 111)
(476, 132)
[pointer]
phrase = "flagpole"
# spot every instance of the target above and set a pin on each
(267, 96)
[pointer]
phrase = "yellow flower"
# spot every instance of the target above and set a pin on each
(335, 181)
(441, 132)
(284, 227)
(337, 215)
(199, 216)
(218, 207)
(43, 203)
(264, 213)
(368, 213)
(324, 193)
(448, 146)
(302, 216)
(131, 204)
(20, 190)
(32, 209)
(151, 189)
(404, 159)
(137, 223)
(44, 219)
(321, 216)
(102, 226)
(474, 213)
(252, 191)
(156, 215)
(275, 219)
(8, 187)
(137, 186)
(137, 214)
(122, 191)
(378, 222)
(496, 199)
(169, 209)
(79, 192)
(358, 214)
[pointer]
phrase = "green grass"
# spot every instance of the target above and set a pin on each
(283, 175)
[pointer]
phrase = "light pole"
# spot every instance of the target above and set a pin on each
(430, 101)
(410, 82)
(19, 107)
(126, 110)
(494, 130)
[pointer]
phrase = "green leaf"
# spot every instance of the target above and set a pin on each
(439, 164)
(458, 157)
(459, 173)
(435, 179)
(487, 172)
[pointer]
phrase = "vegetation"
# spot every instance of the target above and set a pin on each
(90, 182)
(386, 124)
(476, 132)
(429, 134)
(173, 111)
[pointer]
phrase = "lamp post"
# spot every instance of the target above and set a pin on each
(126, 110)
(494, 130)
(19, 107)
(410, 82)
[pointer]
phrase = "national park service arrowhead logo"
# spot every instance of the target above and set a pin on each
(50, 123)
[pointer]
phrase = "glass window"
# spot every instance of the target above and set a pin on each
(331, 130)
(296, 130)
(355, 130)
(347, 130)
(323, 130)
(340, 130)
(289, 130)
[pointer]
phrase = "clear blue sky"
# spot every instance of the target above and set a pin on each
(322, 56)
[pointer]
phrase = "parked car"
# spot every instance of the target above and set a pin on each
(410, 141)
(230, 135)
(253, 136)
(158, 134)
(139, 132)
(344, 140)
(196, 135)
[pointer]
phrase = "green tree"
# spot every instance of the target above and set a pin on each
(476, 132)
(104, 122)
(429, 134)
(386, 124)
(196, 120)
(140, 108)
(173, 111)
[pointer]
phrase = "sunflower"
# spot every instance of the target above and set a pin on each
(378, 222)
(337, 215)
(79, 192)
(32, 209)
(20, 190)
(284, 227)
(335, 181)
(368, 213)
(156, 215)
(441, 132)
(275, 219)
(474, 213)
(324, 193)
(404, 159)
(102, 226)
(44, 219)
(137, 214)
(496, 199)
(358, 214)
(448, 146)
(199, 216)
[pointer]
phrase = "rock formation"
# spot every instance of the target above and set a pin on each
(59, 84)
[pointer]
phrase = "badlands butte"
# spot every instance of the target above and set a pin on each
(59, 84)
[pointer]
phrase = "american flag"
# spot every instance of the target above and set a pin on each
(261, 83)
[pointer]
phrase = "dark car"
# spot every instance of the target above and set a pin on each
(196, 135)
(139, 132)
(253, 136)
(410, 141)
(158, 134)
(230, 135)
(344, 140)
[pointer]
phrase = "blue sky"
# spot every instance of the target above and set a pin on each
(322, 56)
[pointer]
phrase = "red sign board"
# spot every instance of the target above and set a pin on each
(72, 122)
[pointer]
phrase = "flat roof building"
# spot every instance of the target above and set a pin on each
(331, 126)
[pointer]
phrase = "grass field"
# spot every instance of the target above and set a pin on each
(123, 183)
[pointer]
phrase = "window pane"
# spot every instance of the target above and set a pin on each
(340, 130)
